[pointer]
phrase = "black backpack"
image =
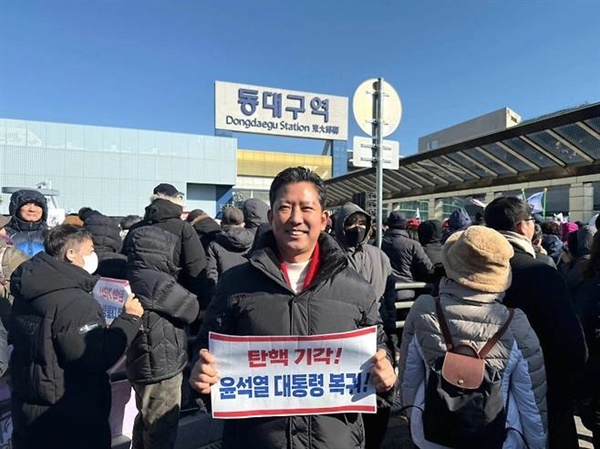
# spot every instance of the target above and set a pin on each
(463, 397)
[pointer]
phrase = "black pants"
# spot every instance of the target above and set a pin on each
(375, 427)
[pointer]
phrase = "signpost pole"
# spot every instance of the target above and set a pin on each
(379, 162)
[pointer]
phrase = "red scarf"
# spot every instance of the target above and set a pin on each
(313, 268)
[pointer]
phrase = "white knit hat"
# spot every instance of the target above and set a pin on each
(478, 258)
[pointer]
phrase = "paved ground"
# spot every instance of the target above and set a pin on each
(398, 436)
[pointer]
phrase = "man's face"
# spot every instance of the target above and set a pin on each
(31, 212)
(75, 255)
(297, 220)
(526, 227)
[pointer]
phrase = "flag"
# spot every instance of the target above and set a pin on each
(418, 214)
(536, 202)
(476, 202)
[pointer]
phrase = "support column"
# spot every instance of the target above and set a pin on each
(489, 197)
(581, 201)
(435, 211)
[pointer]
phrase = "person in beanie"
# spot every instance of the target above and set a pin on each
(27, 227)
(459, 220)
(477, 263)
(229, 248)
(165, 212)
(541, 292)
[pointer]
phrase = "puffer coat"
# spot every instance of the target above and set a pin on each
(474, 317)
(255, 299)
(159, 350)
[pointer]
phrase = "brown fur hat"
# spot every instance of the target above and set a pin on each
(478, 258)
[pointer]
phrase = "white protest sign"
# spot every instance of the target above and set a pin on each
(111, 294)
(293, 375)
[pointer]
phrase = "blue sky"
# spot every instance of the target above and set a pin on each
(152, 64)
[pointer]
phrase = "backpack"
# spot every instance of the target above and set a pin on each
(464, 407)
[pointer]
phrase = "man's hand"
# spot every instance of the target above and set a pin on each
(133, 306)
(383, 375)
(204, 373)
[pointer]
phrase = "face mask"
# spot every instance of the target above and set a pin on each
(355, 235)
(90, 263)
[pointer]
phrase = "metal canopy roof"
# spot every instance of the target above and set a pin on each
(563, 145)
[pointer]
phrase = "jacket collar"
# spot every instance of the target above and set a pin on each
(460, 293)
(266, 258)
(519, 241)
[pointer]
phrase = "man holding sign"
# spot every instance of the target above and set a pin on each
(297, 283)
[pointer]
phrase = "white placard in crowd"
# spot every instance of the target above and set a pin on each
(293, 375)
(111, 294)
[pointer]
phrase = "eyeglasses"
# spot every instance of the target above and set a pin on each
(529, 219)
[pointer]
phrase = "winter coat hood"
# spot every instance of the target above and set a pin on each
(340, 222)
(459, 220)
(430, 231)
(44, 274)
(22, 197)
(161, 210)
(255, 212)
(235, 239)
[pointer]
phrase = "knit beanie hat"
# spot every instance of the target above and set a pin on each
(478, 258)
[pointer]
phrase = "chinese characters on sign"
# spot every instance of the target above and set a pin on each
(291, 375)
(281, 112)
(111, 294)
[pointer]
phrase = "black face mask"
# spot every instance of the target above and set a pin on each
(355, 235)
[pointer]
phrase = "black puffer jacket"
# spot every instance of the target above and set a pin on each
(254, 299)
(159, 350)
(409, 261)
(228, 250)
(189, 254)
(430, 237)
(540, 291)
(107, 245)
(24, 235)
(60, 390)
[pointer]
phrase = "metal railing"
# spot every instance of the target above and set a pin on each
(407, 304)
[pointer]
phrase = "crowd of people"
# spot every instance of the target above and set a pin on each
(519, 292)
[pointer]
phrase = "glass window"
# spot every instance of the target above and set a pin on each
(505, 156)
(529, 152)
(456, 169)
(461, 160)
(580, 138)
(594, 123)
(557, 148)
(483, 159)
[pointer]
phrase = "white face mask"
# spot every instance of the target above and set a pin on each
(90, 263)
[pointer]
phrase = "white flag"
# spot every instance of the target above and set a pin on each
(535, 201)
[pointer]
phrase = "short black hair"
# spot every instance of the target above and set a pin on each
(297, 174)
(62, 238)
(505, 213)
